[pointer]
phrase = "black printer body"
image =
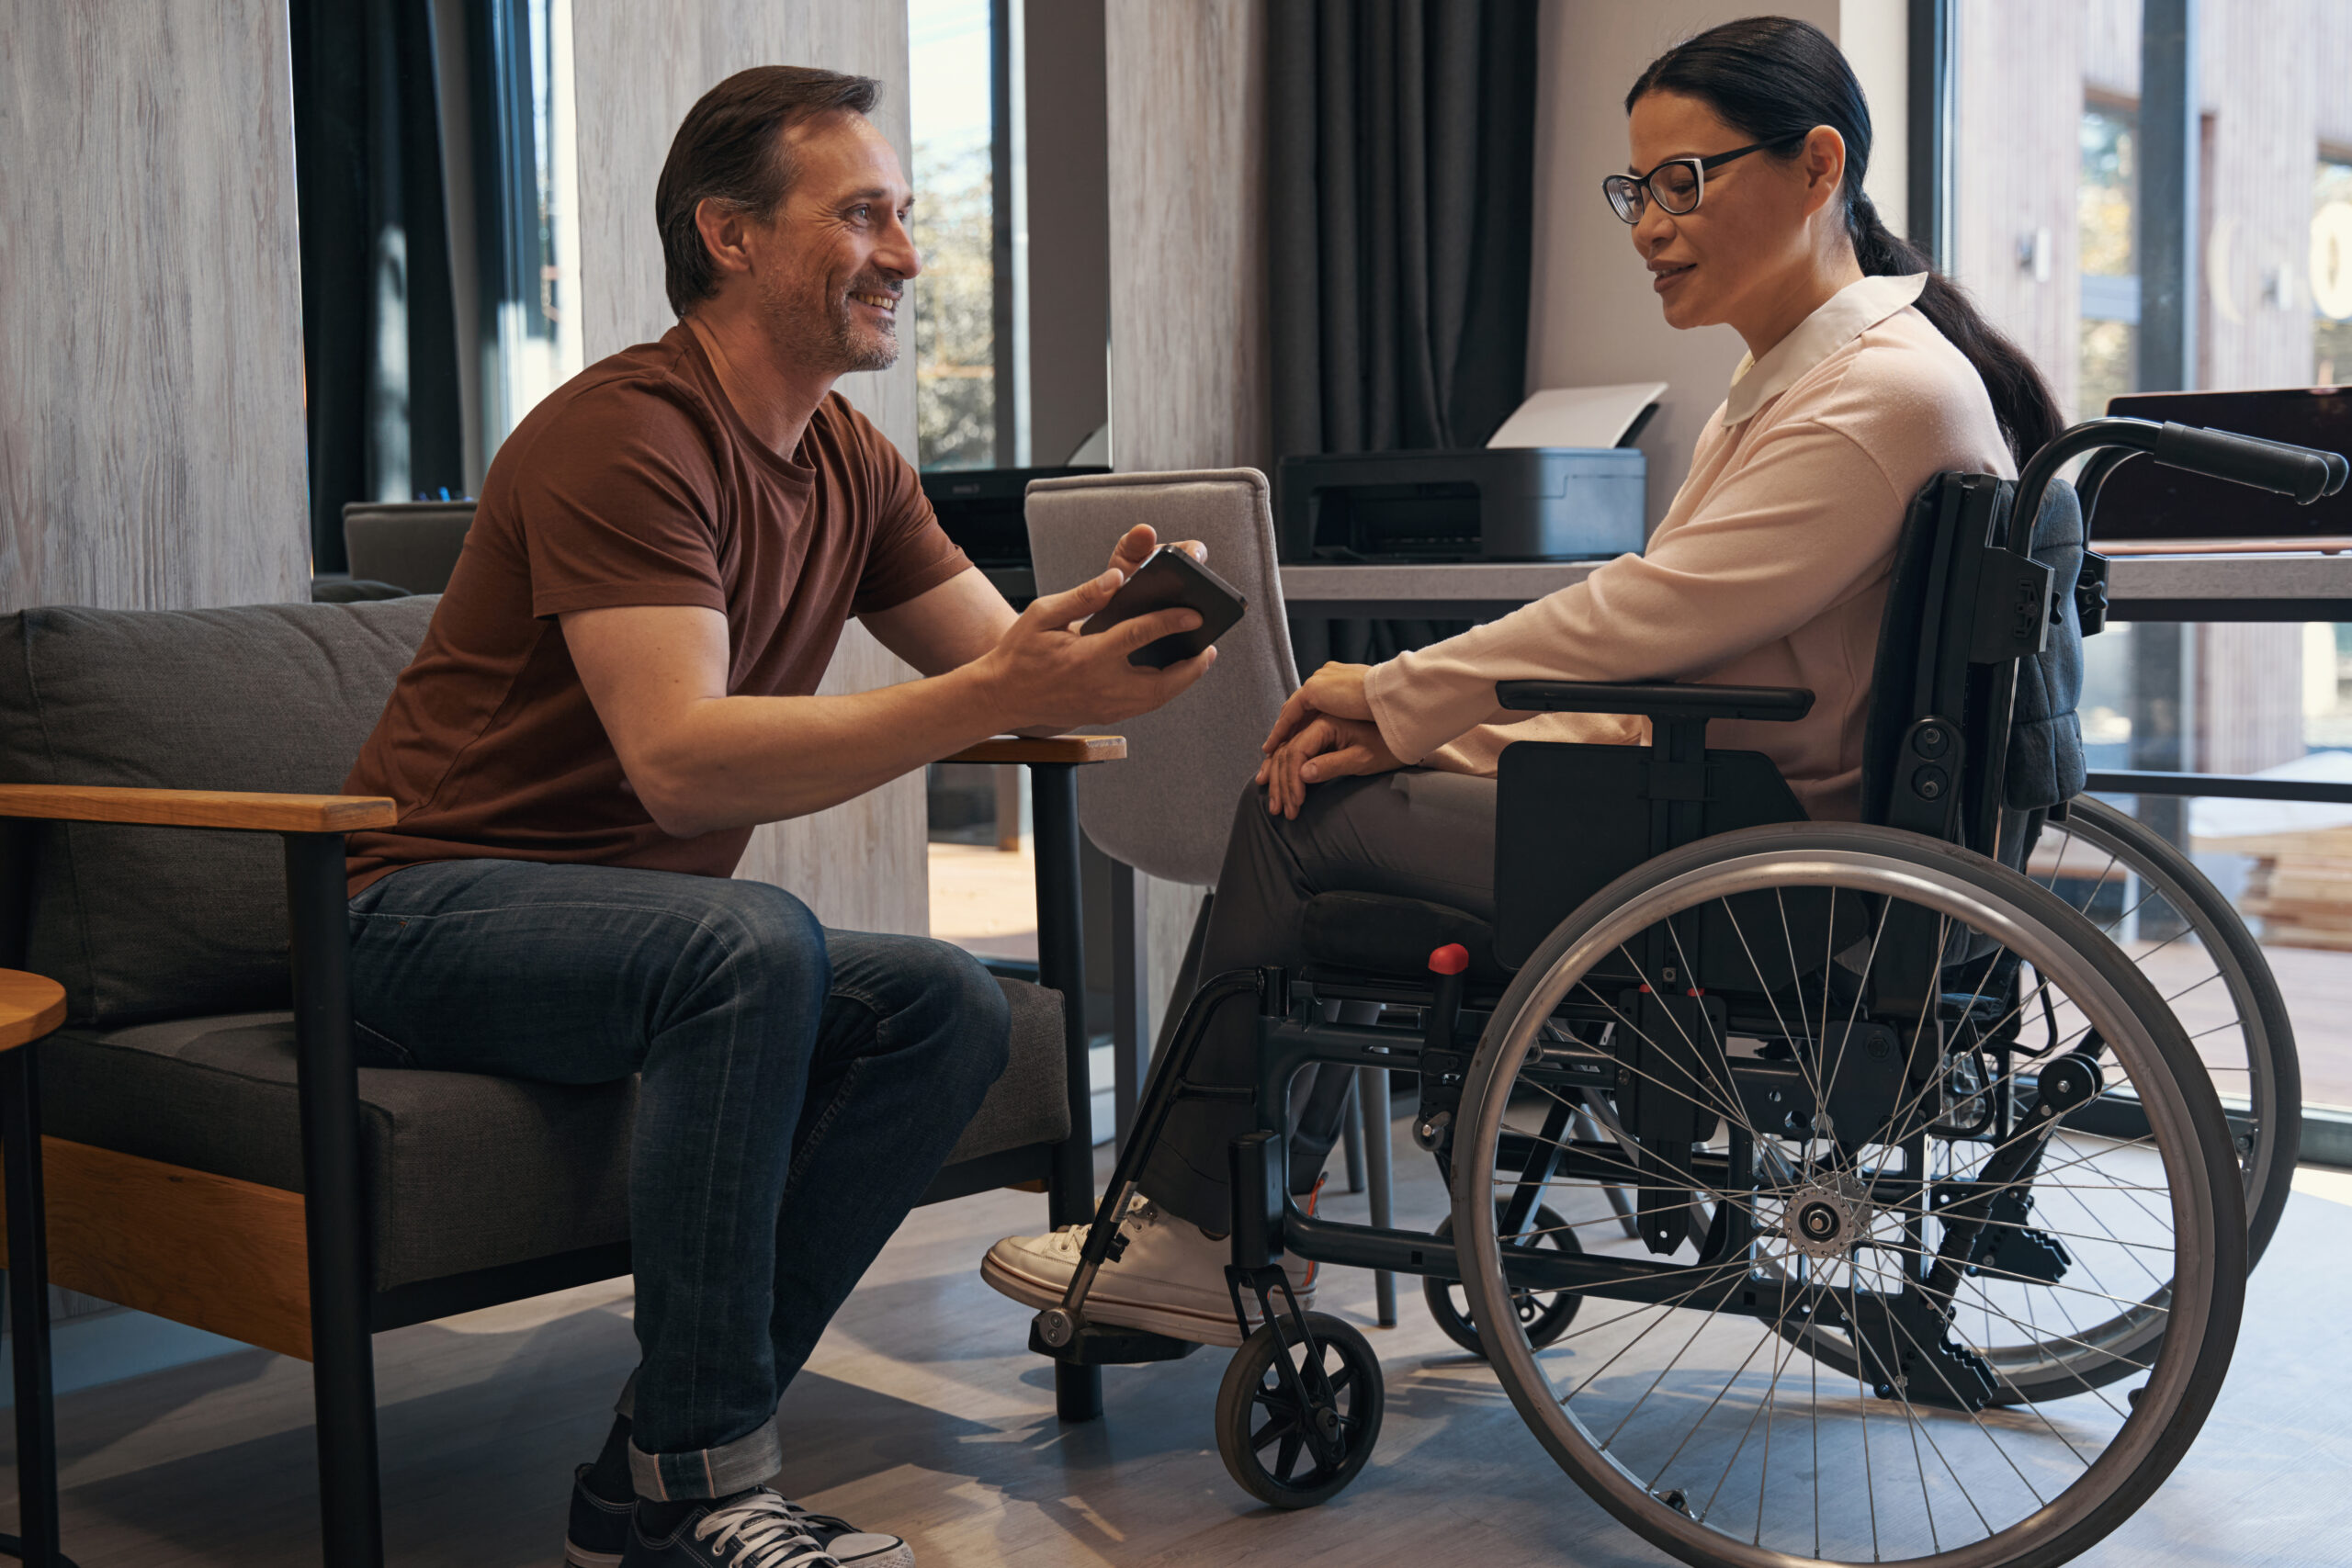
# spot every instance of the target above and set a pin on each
(1491, 503)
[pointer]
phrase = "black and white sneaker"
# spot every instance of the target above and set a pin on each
(760, 1529)
(598, 1531)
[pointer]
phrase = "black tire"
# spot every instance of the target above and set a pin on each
(2264, 1100)
(2124, 1449)
(1256, 1412)
(1546, 1315)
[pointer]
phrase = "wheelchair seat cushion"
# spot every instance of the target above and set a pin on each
(1383, 934)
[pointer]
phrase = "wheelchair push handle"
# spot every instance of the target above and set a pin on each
(2301, 472)
(2297, 471)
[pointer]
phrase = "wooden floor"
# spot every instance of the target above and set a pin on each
(922, 1413)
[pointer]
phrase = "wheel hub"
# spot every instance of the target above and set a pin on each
(1825, 1218)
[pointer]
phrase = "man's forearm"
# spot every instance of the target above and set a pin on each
(731, 762)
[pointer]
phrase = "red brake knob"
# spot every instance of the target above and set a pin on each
(1450, 959)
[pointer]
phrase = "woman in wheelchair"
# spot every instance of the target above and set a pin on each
(1913, 1227)
(1865, 375)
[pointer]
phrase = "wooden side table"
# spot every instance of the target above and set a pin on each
(30, 1007)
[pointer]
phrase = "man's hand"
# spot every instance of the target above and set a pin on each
(1044, 674)
(965, 617)
(1324, 748)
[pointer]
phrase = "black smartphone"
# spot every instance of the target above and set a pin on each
(1170, 578)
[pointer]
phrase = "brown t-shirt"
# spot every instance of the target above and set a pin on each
(634, 483)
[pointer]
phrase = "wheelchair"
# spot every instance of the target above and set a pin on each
(1822, 1192)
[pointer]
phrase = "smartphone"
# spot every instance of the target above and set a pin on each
(1170, 578)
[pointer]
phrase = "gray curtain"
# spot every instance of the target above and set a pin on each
(1400, 186)
(380, 343)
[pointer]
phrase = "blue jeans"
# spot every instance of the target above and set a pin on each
(798, 1088)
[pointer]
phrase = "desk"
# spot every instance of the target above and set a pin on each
(2140, 588)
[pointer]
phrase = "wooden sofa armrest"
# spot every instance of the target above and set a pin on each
(254, 811)
(1050, 749)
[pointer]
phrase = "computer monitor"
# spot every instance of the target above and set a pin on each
(984, 511)
(2144, 502)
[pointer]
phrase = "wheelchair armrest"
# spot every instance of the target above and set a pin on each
(1655, 699)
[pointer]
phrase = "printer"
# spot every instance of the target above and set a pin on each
(1560, 481)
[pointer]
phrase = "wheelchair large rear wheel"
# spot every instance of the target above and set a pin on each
(1829, 1373)
(2177, 929)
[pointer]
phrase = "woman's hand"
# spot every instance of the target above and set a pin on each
(1336, 690)
(1325, 747)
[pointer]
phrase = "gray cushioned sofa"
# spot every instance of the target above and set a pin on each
(443, 1191)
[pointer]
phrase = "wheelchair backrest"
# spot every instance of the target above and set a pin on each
(1971, 733)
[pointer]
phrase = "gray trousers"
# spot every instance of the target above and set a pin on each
(1415, 833)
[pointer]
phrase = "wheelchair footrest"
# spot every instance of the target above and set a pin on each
(1111, 1346)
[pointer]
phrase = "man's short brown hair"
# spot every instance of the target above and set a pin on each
(730, 148)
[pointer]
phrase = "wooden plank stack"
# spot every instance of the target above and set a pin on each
(2300, 885)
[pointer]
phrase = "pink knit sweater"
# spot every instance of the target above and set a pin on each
(1769, 568)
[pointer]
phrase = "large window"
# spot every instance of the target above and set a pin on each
(952, 48)
(2062, 220)
(2331, 272)
(2110, 280)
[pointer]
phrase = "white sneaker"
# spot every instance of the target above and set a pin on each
(1169, 1281)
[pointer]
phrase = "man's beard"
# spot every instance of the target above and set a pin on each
(827, 337)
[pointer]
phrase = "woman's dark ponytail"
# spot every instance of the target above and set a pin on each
(1773, 79)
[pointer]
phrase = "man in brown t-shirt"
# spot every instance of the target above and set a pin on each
(618, 685)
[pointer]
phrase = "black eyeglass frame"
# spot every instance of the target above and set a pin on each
(1631, 183)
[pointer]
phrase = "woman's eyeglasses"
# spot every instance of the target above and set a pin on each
(1677, 186)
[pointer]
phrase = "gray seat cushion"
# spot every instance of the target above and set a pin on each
(463, 1171)
(144, 923)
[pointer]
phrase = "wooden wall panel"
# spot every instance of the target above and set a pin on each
(639, 65)
(1188, 247)
(2262, 90)
(2112, 47)
(151, 390)
(2249, 696)
(2020, 74)
(1186, 91)
(2330, 63)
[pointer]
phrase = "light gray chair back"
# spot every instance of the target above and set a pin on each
(1169, 808)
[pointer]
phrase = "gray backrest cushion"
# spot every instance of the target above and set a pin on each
(158, 922)
(1168, 809)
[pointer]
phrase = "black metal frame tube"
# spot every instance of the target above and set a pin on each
(343, 1365)
(28, 1311)
(2166, 242)
(1061, 966)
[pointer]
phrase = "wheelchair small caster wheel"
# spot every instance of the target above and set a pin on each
(1289, 1452)
(1546, 1314)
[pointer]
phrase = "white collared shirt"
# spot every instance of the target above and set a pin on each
(1840, 319)
(1769, 568)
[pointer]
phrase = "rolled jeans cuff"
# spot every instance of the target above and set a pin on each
(722, 1471)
